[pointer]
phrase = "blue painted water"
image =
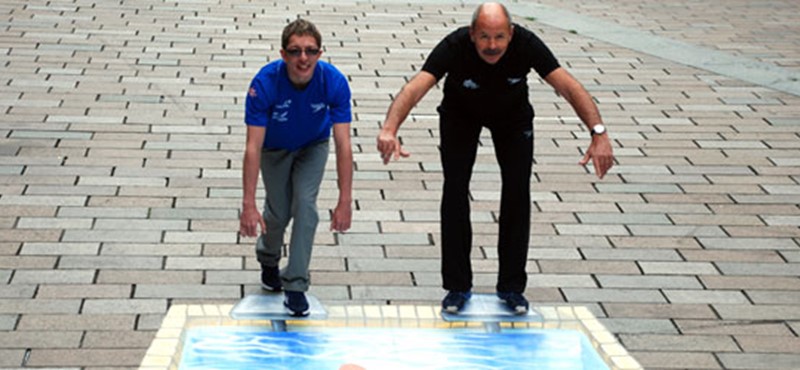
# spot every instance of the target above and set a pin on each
(372, 349)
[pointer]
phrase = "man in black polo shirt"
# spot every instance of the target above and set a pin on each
(486, 86)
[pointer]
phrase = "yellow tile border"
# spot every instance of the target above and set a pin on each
(165, 350)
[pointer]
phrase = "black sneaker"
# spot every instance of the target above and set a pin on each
(271, 278)
(454, 301)
(516, 302)
(296, 303)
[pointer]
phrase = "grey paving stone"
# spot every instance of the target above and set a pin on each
(791, 256)
(397, 293)
(589, 267)
(758, 360)
(394, 264)
(203, 263)
(124, 306)
(762, 269)
(137, 224)
(27, 262)
(705, 296)
(148, 277)
(80, 236)
(676, 230)
(676, 360)
(695, 343)
(83, 291)
(37, 248)
(103, 212)
(118, 339)
(625, 218)
(639, 326)
(613, 295)
(655, 242)
(629, 254)
(187, 291)
(732, 255)
(638, 188)
(45, 200)
(86, 357)
(12, 358)
(594, 229)
(53, 276)
(5, 276)
(751, 282)
(149, 321)
(774, 297)
(757, 312)
(41, 339)
(748, 243)
(648, 282)
(110, 262)
(383, 239)
(17, 291)
(659, 310)
(155, 249)
(40, 306)
(8, 322)
(81, 322)
(678, 268)
(193, 213)
(727, 327)
(760, 344)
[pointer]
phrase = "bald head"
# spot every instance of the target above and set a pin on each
(491, 31)
(490, 14)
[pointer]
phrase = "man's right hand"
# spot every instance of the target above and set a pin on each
(390, 147)
(250, 221)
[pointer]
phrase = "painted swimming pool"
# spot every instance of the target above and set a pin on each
(234, 347)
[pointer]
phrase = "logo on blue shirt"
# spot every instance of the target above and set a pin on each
(316, 107)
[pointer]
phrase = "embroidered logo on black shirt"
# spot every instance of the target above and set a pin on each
(469, 84)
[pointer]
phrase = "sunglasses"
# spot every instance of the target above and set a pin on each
(296, 52)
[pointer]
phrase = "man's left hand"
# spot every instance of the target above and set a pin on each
(342, 216)
(601, 155)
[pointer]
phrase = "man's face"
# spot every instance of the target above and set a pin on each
(301, 55)
(491, 39)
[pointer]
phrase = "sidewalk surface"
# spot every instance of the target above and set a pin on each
(121, 141)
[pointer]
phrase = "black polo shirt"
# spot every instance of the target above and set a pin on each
(476, 89)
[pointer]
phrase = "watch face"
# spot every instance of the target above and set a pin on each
(598, 129)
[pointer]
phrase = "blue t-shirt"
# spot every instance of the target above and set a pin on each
(296, 118)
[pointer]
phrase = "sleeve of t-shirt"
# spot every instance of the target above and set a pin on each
(340, 111)
(543, 60)
(256, 107)
(440, 59)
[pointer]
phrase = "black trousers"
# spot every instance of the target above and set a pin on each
(513, 145)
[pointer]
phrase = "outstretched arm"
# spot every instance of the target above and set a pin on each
(250, 219)
(599, 152)
(409, 96)
(343, 213)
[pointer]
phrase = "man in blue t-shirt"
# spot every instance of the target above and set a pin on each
(487, 65)
(291, 107)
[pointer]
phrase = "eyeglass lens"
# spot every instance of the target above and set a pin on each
(296, 52)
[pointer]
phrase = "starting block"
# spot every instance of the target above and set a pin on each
(270, 307)
(491, 311)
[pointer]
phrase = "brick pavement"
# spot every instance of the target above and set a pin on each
(121, 140)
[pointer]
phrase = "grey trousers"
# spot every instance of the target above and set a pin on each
(292, 181)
